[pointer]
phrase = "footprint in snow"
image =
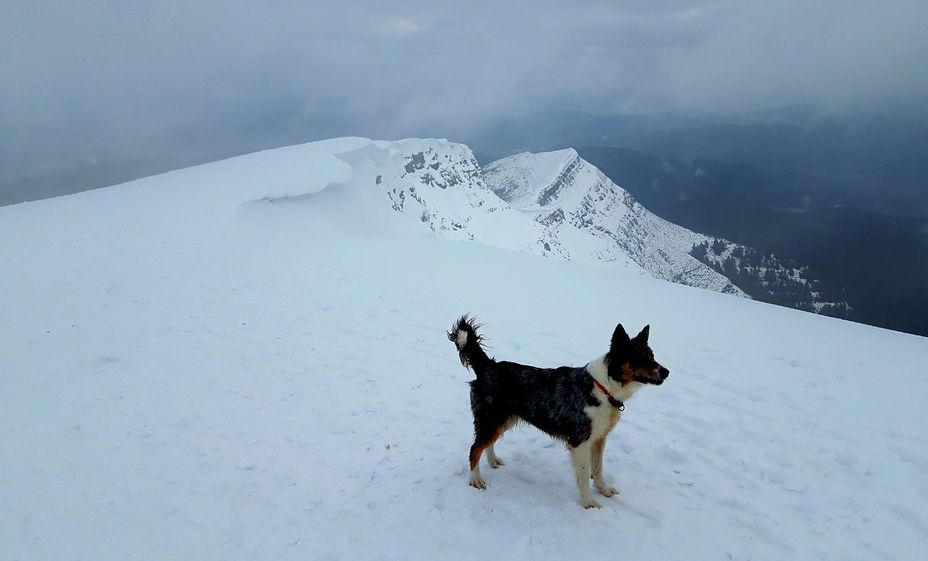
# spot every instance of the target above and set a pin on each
(670, 455)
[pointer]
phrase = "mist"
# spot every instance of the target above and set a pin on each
(105, 80)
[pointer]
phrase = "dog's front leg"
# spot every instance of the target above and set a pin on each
(598, 447)
(581, 458)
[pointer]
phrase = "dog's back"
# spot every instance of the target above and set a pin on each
(552, 399)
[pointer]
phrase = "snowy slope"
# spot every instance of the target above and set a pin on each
(247, 360)
(564, 190)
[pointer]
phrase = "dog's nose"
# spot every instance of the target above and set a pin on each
(663, 373)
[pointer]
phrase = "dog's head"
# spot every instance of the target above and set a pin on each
(632, 360)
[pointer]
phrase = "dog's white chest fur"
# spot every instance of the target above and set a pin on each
(604, 416)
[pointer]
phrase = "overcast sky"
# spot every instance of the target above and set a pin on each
(116, 79)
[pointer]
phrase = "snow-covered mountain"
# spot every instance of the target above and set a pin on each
(247, 360)
(556, 204)
(552, 204)
(562, 191)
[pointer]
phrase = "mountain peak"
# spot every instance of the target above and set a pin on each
(568, 194)
(535, 180)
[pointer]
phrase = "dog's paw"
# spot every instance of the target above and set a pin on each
(477, 482)
(607, 491)
(496, 462)
(590, 503)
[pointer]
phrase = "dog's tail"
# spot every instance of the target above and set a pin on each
(464, 336)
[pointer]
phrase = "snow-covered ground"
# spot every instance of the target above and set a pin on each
(247, 360)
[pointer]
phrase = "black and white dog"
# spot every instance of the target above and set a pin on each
(578, 406)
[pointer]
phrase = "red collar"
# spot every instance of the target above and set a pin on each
(612, 401)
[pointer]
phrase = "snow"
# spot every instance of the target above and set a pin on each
(575, 200)
(523, 178)
(247, 360)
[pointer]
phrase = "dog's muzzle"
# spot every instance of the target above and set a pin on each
(659, 377)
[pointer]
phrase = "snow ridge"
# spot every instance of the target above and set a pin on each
(553, 204)
(439, 185)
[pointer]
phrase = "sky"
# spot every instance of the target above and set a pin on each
(102, 80)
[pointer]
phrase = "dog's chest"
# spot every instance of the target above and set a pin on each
(604, 417)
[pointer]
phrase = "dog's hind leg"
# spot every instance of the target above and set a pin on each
(486, 433)
(494, 460)
(476, 450)
(597, 449)
(581, 458)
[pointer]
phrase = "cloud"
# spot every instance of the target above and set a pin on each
(402, 26)
(122, 79)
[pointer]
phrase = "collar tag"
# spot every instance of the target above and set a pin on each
(612, 401)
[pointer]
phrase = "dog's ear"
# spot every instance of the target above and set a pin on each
(643, 336)
(620, 338)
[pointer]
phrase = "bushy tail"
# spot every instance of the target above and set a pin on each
(464, 336)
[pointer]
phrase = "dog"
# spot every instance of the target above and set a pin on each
(576, 405)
